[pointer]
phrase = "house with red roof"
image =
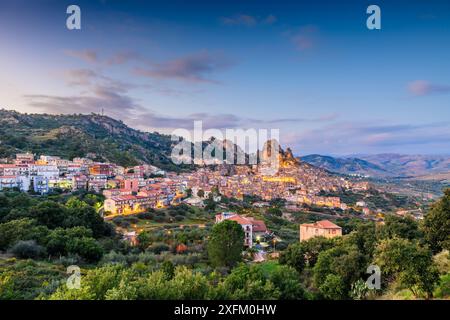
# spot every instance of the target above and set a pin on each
(323, 228)
(251, 226)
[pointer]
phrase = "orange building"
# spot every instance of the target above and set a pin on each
(101, 169)
(324, 228)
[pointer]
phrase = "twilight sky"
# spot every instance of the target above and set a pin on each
(312, 70)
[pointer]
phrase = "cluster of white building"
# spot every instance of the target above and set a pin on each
(48, 172)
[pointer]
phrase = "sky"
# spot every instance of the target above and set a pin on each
(311, 69)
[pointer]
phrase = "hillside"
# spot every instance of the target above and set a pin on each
(70, 136)
(346, 165)
(411, 165)
(384, 165)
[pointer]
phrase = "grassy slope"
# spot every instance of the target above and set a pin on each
(72, 136)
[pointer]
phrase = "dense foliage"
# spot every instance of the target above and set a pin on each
(70, 136)
(41, 236)
(226, 244)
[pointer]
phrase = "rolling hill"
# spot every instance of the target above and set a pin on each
(383, 165)
(345, 165)
(70, 136)
(411, 165)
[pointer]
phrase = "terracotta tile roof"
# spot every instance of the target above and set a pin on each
(240, 220)
(323, 224)
(124, 198)
(258, 225)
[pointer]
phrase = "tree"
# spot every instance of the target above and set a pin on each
(287, 280)
(60, 239)
(249, 283)
(226, 244)
(359, 290)
(77, 240)
(275, 212)
(185, 285)
(210, 204)
(200, 193)
(313, 247)
(95, 285)
(364, 237)
(81, 214)
(436, 225)
(49, 213)
(169, 269)
(22, 229)
(408, 263)
(28, 250)
(87, 248)
(344, 261)
(4, 206)
(395, 226)
(294, 256)
(333, 288)
(301, 254)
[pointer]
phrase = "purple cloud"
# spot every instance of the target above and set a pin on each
(248, 20)
(192, 68)
(304, 38)
(123, 57)
(350, 137)
(80, 77)
(86, 55)
(116, 104)
(424, 88)
(217, 121)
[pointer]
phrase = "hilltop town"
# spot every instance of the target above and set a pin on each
(134, 189)
(137, 189)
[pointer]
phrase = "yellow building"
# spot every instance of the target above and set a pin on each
(324, 228)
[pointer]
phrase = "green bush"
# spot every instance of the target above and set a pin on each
(28, 250)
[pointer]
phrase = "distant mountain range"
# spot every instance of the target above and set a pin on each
(77, 135)
(345, 165)
(101, 137)
(383, 165)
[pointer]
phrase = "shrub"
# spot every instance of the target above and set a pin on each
(28, 250)
(146, 215)
(443, 289)
(158, 247)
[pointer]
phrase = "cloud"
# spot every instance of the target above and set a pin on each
(80, 77)
(270, 19)
(86, 55)
(352, 137)
(424, 88)
(93, 57)
(192, 68)
(217, 121)
(304, 38)
(248, 20)
(197, 67)
(116, 104)
(97, 92)
(123, 57)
